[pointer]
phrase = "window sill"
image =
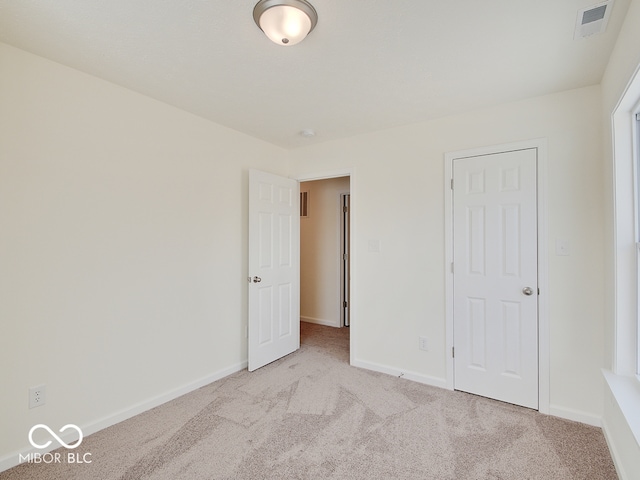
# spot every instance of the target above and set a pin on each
(626, 391)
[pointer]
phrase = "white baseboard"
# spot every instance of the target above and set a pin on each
(320, 321)
(556, 411)
(413, 376)
(13, 459)
(575, 415)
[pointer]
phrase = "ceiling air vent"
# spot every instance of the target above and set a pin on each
(592, 20)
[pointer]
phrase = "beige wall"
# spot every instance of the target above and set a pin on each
(122, 249)
(320, 252)
(398, 199)
(124, 239)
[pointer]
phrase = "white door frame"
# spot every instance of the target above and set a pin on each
(344, 172)
(344, 235)
(543, 299)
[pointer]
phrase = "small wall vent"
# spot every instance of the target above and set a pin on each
(592, 20)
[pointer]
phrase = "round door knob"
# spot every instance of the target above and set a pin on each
(257, 279)
(527, 291)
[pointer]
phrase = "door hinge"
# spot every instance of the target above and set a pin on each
(344, 304)
(538, 290)
(638, 116)
(345, 256)
(345, 209)
(451, 267)
(452, 184)
(453, 352)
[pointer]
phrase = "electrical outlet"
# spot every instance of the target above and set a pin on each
(37, 396)
(423, 345)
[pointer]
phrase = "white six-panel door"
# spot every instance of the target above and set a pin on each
(495, 285)
(274, 268)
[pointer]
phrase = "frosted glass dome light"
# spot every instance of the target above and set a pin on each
(285, 22)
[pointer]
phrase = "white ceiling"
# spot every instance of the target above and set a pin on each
(368, 65)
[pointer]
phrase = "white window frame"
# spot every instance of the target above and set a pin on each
(638, 307)
(623, 380)
(626, 340)
(636, 192)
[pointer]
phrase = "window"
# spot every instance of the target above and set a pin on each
(624, 379)
(626, 218)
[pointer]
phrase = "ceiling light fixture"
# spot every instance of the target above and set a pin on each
(285, 22)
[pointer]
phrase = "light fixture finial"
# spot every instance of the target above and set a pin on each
(285, 22)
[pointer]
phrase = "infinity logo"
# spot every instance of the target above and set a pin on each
(60, 441)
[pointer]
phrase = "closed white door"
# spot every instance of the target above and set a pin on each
(496, 276)
(274, 268)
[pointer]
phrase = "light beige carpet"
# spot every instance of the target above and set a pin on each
(312, 416)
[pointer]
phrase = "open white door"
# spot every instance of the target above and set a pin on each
(496, 276)
(274, 268)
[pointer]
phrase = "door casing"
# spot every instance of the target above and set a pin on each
(543, 318)
(344, 265)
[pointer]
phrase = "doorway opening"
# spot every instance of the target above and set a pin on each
(324, 252)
